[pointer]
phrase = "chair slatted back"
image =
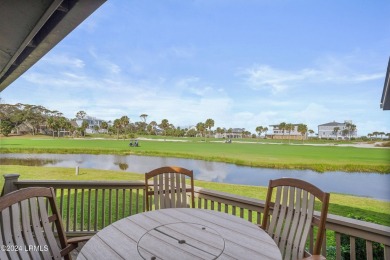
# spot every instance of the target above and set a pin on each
(169, 189)
(292, 215)
(26, 224)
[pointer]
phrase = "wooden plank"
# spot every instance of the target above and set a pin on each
(110, 206)
(173, 190)
(37, 229)
(68, 211)
(301, 225)
(96, 219)
(165, 191)
(75, 211)
(288, 219)
(183, 188)
(51, 241)
(160, 248)
(131, 202)
(62, 202)
(179, 191)
(275, 214)
(126, 249)
(294, 225)
(338, 245)
(82, 210)
(27, 232)
(369, 253)
(279, 218)
(123, 207)
(137, 201)
(116, 204)
(17, 231)
(387, 252)
(89, 210)
(104, 208)
(307, 225)
(7, 233)
(352, 246)
(98, 249)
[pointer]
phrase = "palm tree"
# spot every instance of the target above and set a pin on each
(51, 123)
(144, 116)
(81, 114)
(164, 125)
(117, 126)
(282, 127)
(302, 128)
(259, 130)
(84, 126)
(125, 121)
(209, 124)
(104, 125)
(289, 127)
(336, 131)
(311, 131)
(265, 130)
(200, 127)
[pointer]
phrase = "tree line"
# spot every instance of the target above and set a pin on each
(39, 119)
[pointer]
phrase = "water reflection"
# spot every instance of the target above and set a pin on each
(361, 184)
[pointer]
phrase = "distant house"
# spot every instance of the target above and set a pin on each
(278, 133)
(328, 130)
(231, 133)
(92, 122)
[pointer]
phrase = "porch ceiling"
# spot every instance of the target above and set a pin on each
(30, 29)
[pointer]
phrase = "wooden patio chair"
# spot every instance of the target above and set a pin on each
(292, 216)
(169, 189)
(26, 227)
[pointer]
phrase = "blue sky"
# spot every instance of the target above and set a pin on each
(241, 63)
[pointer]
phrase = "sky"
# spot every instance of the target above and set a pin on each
(242, 63)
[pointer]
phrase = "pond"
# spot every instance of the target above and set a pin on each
(372, 185)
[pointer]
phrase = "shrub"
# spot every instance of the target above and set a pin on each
(360, 244)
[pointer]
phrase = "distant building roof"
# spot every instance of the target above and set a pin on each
(385, 101)
(334, 123)
(278, 125)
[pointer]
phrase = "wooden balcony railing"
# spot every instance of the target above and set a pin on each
(88, 206)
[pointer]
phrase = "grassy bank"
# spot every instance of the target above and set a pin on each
(343, 205)
(318, 158)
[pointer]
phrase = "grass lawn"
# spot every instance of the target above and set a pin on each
(318, 158)
(373, 210)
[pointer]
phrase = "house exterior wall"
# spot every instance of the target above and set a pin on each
(92, 122)
(327, 131)
(280, 134)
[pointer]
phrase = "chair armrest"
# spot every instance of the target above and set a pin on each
(73, 244)
(315, 257)
(75, 240)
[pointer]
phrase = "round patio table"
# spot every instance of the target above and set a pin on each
(181, 233)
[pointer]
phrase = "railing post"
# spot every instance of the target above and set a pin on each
(9, 183)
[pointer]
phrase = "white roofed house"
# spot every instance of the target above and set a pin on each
(278, 133)
(92, 123)
(339, 131)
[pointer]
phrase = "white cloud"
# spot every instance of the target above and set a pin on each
(64, 60)
(331, 70)
(266, 78)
